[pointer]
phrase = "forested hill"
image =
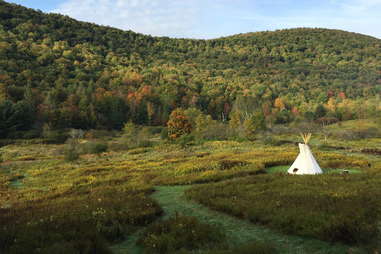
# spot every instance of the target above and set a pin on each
(60, 72)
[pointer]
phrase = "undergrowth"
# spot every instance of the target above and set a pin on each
(180, 233)
(328, 207)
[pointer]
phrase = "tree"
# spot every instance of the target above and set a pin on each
(253, 124)
(15, 117)
(249, 128)
(130, 134)
(279, 104)
(320, 111)
(259, 121)
(178, 124)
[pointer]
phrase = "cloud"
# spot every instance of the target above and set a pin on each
(156, 17)
(215, 18)
(361, 16)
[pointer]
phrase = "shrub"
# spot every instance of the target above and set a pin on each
(75, 222)
(71, 154)
(269, 140)
(208, 129)
(326, 120)
(95, 148)
(31, 134)
(228, 164)
(117, 147)
(154, 130)
(139, 150)
(134, 137)
(185, 140)
(312, 206)
(164, 133)
(180, 233)
(251, 248)
(358, 134)
(55, 136)
(91, 134)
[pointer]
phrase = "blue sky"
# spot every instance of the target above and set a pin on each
(216, 18)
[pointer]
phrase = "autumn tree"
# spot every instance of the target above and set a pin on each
(279, 104)
(178, 124)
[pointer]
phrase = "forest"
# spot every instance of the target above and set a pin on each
(57, 73)
(113, 141)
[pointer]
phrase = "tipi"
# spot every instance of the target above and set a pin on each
(305, 163)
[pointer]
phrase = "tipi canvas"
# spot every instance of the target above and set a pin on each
(305, 163)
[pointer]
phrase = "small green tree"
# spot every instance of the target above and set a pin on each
(202, 125)
(130, 134)
(249, 128)
(72, 145)
(236, 128)
(320, 111)
(134, 136)
(253, 124)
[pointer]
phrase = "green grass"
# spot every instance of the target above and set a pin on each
(107, 199)
(277, 169)
(328, 207)
(283, 169)
(238, 232)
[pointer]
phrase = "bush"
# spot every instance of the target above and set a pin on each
(75, 222)
(71, 154)
(31, 134)
(213, 131)
(91, 134)
(229, 164)
(180, 233)
(185, 140)
(269, 140)
(251, 248)
(117, 147)
(347, 214)
(135, 136)
(55, 137)
(154, 130)
(164, 133)
(358, 134)
(95, 148)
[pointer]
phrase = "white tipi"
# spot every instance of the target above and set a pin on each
(305, 163)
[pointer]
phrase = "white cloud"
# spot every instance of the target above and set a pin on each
(361, 16)
(215, 18)
(156, 17)
(356, 7)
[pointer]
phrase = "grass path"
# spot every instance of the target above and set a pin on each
(172, 200)
(129, 246)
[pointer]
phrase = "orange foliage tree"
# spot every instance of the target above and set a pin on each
(178, 124)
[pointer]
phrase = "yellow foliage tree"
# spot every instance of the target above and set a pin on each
(279, 104)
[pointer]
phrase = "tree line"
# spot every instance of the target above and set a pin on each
(61, 73)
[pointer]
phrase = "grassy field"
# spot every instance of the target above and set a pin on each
(48, 204)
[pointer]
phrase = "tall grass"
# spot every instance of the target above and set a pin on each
(331, 208)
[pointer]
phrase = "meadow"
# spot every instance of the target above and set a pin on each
(52, 204)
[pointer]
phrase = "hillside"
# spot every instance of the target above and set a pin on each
(63, 73)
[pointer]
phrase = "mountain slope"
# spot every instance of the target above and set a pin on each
(77, 74)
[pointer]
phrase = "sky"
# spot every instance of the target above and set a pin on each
(205, 19)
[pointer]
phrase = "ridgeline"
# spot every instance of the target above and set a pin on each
(63, 73)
